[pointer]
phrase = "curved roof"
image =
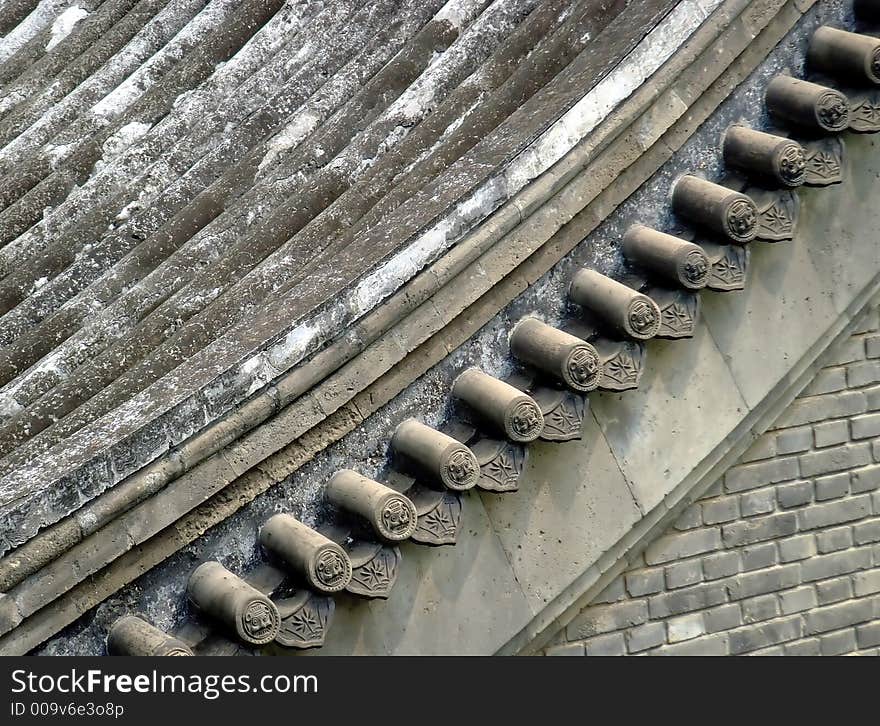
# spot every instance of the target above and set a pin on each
(197, 196)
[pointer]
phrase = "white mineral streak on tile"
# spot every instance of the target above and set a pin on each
(458, 12)
(296, 344)
(256, 370)
(50, 368)
(376, 286)
(123, 138)
(583, 117)
(291, 136)
(650, 54)
(143, 78)
(39, 18)
(447, 132)
(135, 53)
(643, 61)
(57, 153)
(261, 46)
(63, 25)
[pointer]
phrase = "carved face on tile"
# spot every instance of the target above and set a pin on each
(643, 318)
(741, 219)
(461, 469)
(582, 368)
(259, 621)
(695, 268)
(526, 421)
(833, 111)
(398, 517)
(792, 164)
(332, 569)
(177, 652)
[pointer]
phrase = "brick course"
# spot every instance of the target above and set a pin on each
(782, 556)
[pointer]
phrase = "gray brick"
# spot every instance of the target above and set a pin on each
(837, 458)
(720, 565)
(776, 650)
(678, 545)
(849, 351)
(836, 617)
(612, 644)
(707, 645)
(646, 636)
(795, 494)
(794, 441)
(565, 649)
(830, 433)
(724, 617)
(682, 574)
(872, 398)
(716, 490)
(834, 540)
(753, 637)
(832, 591)
(798, 600)
(759, 529)
(644, 582)
(865, 532)
(828, 380)
(838, 512)
(761, 501)
(822, 408)
(876, 554)
(689, 519)
(875, 502)
(866, 479)
(615, 592)
(866, 427)
(764, 581)
(808, 646)
(687, 600)
(751, 476)
(838, 643)
(720, 509)
(797, 548)
(862, 374)
(869, 322)
(764, 447)
(875, 450)
(685, 627)
(824, 567)
(866, 583)
(763, 607)
(872, 346)
(832, 487)
(868, 636)
(605, 618)
(757, 557)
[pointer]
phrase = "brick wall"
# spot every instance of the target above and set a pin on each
(783, 555)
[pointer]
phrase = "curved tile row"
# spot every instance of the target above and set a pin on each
(602, 346)
(226, 164)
